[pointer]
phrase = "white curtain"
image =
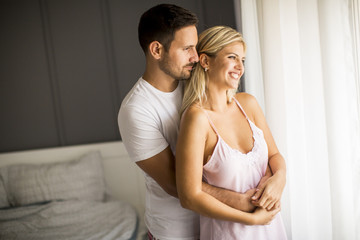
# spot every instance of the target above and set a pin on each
(301, 66)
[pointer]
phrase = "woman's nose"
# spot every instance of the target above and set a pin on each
(240, 65)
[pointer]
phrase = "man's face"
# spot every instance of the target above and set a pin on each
(181, 57)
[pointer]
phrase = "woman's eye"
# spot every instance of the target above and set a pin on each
(232, 57)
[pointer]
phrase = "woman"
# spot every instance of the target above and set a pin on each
(224, 139)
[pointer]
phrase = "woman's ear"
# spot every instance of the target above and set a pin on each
(204, 60)
(155, 49)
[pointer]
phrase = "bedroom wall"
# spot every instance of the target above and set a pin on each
(65, 66)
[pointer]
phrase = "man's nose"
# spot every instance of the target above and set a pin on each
(194, 57)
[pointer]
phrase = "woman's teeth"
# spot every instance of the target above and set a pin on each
(234, 75)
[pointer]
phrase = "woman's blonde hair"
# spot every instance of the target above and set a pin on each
(211, 41)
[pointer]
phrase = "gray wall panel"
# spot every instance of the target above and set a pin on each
(26, 104)
(128, 58)
(67, 65)
(83, 75)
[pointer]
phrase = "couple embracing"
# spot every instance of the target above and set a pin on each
(211, 166)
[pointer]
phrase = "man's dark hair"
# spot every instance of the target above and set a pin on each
(160, 23)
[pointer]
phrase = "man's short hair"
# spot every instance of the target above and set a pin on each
(160, 23)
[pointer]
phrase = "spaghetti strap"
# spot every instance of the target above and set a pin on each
(211, 123)
(237, 103)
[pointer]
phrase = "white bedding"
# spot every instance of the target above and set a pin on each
(71, 209)
(72, 219)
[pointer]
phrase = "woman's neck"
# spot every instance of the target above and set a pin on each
(216, 100)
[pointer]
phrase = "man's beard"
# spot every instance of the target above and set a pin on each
(166, 67)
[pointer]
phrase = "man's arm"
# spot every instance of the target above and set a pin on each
(240, 201)
(161, 168)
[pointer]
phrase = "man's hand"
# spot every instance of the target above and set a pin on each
(245, 204)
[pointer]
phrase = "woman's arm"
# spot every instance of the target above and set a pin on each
(189, 166)
(269, 191)
(268, 174)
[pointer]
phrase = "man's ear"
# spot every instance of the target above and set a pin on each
(204, 60)
(156, 49)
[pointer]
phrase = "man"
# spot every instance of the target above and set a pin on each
(149, 119)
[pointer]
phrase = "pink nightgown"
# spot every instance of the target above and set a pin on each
(231, 169)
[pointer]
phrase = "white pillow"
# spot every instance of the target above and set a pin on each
(81, 179)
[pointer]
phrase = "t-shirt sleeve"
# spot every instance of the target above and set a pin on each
(140, 132)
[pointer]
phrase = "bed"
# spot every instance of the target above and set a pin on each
(89, 191)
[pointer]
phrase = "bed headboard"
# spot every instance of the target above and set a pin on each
(124, 179)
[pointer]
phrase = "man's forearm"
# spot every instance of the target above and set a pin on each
(240, 201)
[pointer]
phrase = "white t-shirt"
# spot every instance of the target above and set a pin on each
(148, 122)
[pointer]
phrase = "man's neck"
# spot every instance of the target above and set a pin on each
(161, 81)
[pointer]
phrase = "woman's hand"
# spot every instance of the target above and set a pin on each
(264, 217)
(269, 192)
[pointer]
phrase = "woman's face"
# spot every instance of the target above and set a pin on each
(226, 69)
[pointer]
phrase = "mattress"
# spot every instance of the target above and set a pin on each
(71, 219)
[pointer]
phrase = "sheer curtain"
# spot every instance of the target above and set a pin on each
(302, 66)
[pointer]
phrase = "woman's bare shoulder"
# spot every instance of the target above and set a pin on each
(194, 114)
(247, 100)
